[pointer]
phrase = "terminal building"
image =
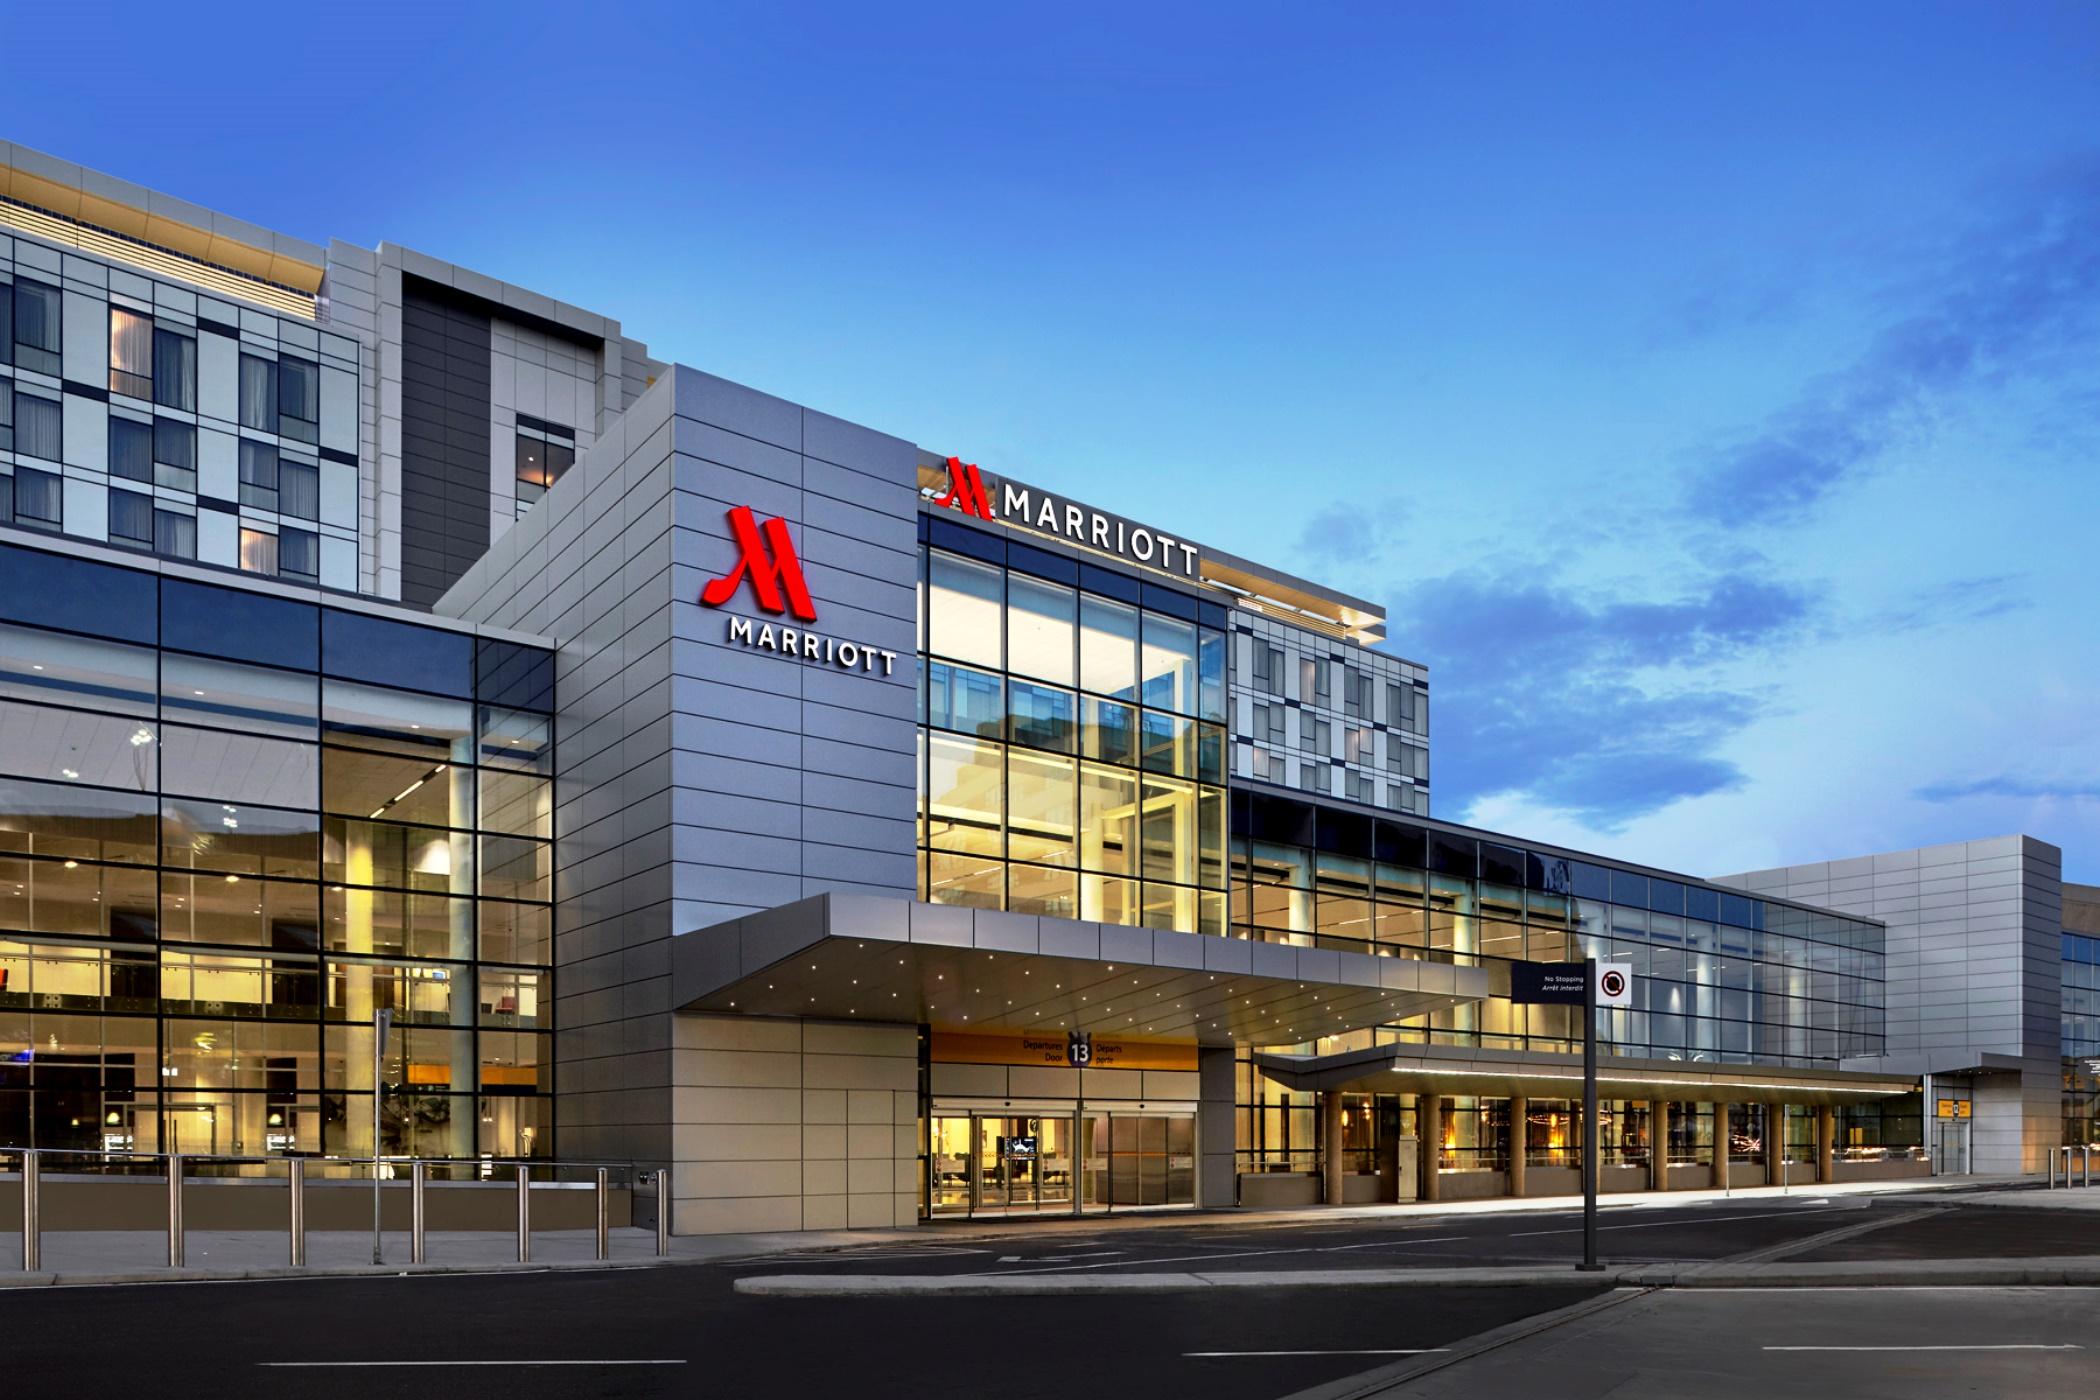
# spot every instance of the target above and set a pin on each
(701, 779)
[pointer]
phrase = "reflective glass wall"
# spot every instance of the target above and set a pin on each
(233, 829)
(1718, 976)
(1072, 740)
(2081, 1037)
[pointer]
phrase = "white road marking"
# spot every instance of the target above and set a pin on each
(323, 1365)
(1175, 1259)
(1391, 1244)
(1978, 1346)
(1658, 1224)
(1354, 1351)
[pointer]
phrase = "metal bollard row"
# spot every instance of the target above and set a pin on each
(296, 1223)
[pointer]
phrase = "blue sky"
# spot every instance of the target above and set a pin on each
(1711, 393)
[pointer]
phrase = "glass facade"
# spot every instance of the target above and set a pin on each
(148, 415)
(1719, 976)
(233, 828)
(2081, 1038)
(1072, 738)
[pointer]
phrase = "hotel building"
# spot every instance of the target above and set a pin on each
(702, 779)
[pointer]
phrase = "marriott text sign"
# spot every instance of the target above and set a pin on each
(1029, 508)
(766, 559)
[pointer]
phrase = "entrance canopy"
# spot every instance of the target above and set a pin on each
(1455, 1070)
(868, 957)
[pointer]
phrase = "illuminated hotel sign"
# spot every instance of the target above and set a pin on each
(1029, 508)
(766, 559)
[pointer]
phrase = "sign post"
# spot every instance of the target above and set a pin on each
(1610, 984)
(382, 1023)
(1590, 985)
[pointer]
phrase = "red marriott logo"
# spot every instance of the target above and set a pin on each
(966, 490)
(766, 556)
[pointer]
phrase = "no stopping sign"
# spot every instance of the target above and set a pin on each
(1614, 984)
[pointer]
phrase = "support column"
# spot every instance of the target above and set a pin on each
(1826, 1142)
(1429, 1126)
(1518, 1134)
(1658, 1145)
(1775, 1144)
(1217, 1168)
(1721, 1136)
(1331, 1147)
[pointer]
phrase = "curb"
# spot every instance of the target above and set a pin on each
(2079, 1272)
(282, 1273)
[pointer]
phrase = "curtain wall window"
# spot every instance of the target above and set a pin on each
(258, 551)
(131, 518)
(258, 475)
(37, 426)
(130, 449)
(36, 497)
(174, 370)
(175, 534)
(299, 400)
(258, 394)
(7, 415)
(36, 327)
(175, 444)
(130, 353)
(7, 323)
(299, 554)
(299, 490)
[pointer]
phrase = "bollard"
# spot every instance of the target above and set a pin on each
(663, 1211)
(417, 1172)
(175, 1211)
(2052, 1170)
(32, 1223)
(604, 1216)
(524, 1214)
(298, 1231)
(2085, 1167)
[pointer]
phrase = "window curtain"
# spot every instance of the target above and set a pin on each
(175, 444)
(37, 427)
(258, 394)
(131, 517)
(174, 370)
(258, 552)
(36, 496)
(299, 553)
(130, 353)
(36, 326)
(130, 450)
(299, 399)
(299, 491)
(175, 534)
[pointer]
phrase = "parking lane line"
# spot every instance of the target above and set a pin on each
(1665, 1224)
(1973, 1346)
(341, 1365)
(1349, 1351)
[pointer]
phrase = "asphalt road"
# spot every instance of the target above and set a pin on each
(1626, 1235)
(682, 1332)
(1856, 1343)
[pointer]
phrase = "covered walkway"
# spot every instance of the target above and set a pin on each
(1664, 1125)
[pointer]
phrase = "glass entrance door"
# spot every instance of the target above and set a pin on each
(1023, 1165)
(1000, 1164)
(1951, 1151)
(951, 1165)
